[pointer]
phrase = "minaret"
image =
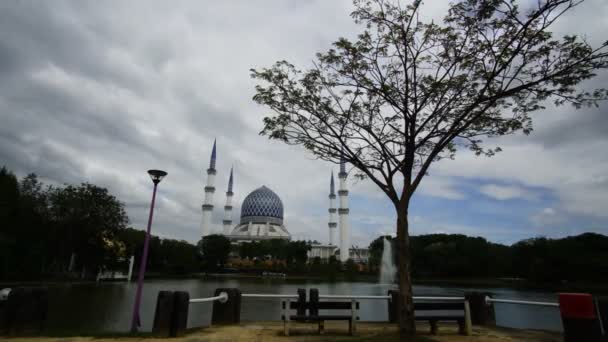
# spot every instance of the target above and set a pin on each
(343, 213)
(332, 212)
(228, 207)
(209, 190)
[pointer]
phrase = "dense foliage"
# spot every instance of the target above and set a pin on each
(215, 250)
(575, 258)
(51, 230)
(290, 251)
(166, 256)
(75, 231)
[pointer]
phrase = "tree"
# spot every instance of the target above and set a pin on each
(215, 250)
(9, 220)
(88, 219)
(407, 93)
(297, 252)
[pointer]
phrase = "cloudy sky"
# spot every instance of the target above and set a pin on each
(101, 91)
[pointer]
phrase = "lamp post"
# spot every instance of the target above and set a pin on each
(157, 176)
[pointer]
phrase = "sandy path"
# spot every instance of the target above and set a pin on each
(335, 331)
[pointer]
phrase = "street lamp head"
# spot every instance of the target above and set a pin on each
(157, 175)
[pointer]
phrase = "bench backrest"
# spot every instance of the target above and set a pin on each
(314, 305)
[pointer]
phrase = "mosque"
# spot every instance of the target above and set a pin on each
(262, 216)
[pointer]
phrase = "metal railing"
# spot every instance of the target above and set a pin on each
(353, 297)
(222, 298)
(524, 302)
(267, 295)
(449, 299)
(348, 297)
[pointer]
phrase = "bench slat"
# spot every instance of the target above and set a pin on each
(332, 317)
(439, 318)
(297, 305)
(334, 305)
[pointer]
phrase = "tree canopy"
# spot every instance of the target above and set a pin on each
(214, 250)
(576, 259)
(42, 227)
(406, 93)
(278, 249)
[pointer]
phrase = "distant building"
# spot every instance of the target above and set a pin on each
(321, 251)
(359, 254)
(262, 215)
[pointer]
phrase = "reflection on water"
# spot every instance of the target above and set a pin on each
(107, 307)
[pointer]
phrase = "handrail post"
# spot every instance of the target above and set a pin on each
(482, 313)
(353, 318)
(228, 310)
(468, 326)
(286, 307)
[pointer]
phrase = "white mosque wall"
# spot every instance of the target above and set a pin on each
(227, 229)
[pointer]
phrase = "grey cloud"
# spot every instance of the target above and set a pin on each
(102, 91)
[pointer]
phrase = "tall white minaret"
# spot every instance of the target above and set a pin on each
(228, 207)
(332, 212)
(343, 213)
(209, 190)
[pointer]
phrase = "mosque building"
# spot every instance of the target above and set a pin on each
(262, 216)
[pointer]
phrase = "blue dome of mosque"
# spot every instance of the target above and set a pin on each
(262, 205)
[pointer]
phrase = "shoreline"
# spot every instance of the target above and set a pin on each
(519, 284)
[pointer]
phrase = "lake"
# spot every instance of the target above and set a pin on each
(107, 307)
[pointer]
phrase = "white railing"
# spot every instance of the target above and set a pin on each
(449, 299)
(285, 296)
(524, 302)
(267, 295)
(222, 298)
(353, 297)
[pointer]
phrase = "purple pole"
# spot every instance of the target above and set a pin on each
(135, 322)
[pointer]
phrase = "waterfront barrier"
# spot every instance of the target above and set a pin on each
(227, 307)
(584, 318)
(23, 310)
(171, 313)
(476, 308)
(579, 317)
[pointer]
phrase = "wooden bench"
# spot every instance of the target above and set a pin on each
(313, 306)
(459, 314)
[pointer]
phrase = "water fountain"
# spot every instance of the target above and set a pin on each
(387, 267)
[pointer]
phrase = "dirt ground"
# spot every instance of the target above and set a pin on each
(334, 331)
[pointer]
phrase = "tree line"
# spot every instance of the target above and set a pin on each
(575, 258)
(58, 231)
(55, 229)
(68, 230)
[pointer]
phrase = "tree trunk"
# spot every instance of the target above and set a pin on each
(407, 326)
